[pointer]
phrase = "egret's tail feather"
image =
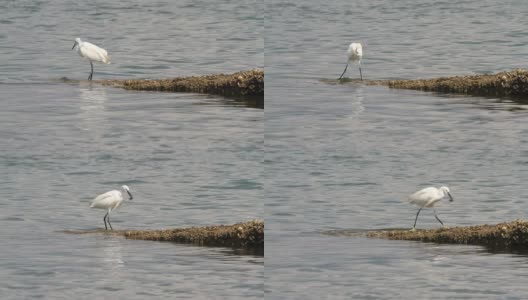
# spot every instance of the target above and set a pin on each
(412, 201)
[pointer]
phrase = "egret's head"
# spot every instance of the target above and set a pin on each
(447, 192)
(77, 42)
(355, 51)
(126, 189)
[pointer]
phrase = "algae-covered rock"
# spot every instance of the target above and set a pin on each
(510, 83)
(240, 84)
(512, 235)
(246, 235)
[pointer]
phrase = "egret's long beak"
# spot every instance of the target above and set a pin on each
(450, 197)
(129, 196)
(74, 44)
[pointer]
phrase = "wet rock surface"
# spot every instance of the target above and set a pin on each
(240, 85)
(510, 83)
(249, 235)
(511, 235)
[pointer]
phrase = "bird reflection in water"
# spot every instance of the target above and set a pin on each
(92, 107)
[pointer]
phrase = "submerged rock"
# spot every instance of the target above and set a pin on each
(243, 84)
(512, 235)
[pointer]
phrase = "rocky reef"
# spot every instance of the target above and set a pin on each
(246, 235)
(511, 83)
(512, 235)
(241, 235)
(243, 85)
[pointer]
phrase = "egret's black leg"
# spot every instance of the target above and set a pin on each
(109, 221)
(343, 72)
(438, 218)
(360, 75)
(104, 219)
(91, 73)
(416, 219)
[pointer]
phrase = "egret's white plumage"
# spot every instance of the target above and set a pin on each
(354, 54)
(91, 52)
(427, 198)
(110, 201)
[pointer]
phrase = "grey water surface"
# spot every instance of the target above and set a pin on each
(345, 156)
(189, 159)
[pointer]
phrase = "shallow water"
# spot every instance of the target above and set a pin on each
(338, 156)
(345, 156)
(144, 40)
(189, 159)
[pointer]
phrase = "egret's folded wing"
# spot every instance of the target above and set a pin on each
(95, 53)
(421, 195)
(103, 200)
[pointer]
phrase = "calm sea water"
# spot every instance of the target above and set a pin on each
(189, 159)
(336, 156)
(346, 156)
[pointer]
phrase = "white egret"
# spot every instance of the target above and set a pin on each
(91, 52)
(354, 53)
(110, 201)
(428, 197)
